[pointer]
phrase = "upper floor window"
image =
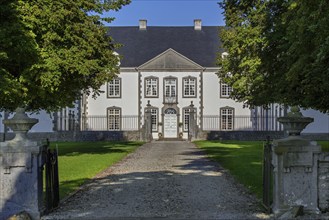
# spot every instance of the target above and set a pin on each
(170, 90)
(114, 88)
(151, 87)
(225, 90)
(189, 87)
(227, 118)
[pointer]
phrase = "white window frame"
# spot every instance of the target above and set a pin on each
(225, 90)
(227, 119)
(114, 119)
(114, 88)
(189, 87)
(154, 119)
(170, 90)
(151, 87)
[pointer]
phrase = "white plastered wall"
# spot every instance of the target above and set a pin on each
(128, 101)
(182, 102)
(212, 103)
(211, 97)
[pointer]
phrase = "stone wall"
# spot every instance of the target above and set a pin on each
(139, 135)
(254, 135)
(81, 136)
(240, 135)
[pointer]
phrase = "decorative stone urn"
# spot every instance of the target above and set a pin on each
(20, 124)
(294, 161)
(295, 122)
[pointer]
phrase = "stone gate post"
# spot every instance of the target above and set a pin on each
(148, 122)
(295, 168)
(192, 122)
(20, 170)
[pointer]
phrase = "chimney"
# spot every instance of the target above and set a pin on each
(197, 24)
(142, 24)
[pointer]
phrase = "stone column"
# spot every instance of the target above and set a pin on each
(295, 168)
(148, 122)
(192, 122)
(20, 170)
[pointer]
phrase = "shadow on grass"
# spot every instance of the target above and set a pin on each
(68, 188)
(242, 159)
(78, 148)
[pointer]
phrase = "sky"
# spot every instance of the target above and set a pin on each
(169, 13)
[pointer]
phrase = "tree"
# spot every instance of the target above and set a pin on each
(52, 51)
(278, 52)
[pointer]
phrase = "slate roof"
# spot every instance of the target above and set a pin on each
(139, 46)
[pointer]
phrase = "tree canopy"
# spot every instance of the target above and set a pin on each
(278, 52)
(52, 51)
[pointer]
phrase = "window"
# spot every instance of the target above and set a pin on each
(225, 90)
(154, 119)
(189, 87)
(151, 87)
(114, 118)
(170, 85)
(186, 118)
(226, 116)
(114, 88)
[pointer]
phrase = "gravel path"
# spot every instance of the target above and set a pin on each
(170, 180)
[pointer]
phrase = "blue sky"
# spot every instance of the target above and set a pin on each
(169, 13)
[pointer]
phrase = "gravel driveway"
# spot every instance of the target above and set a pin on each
(172, 180)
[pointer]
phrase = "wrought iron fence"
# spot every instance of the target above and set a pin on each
(135, 122)
(51, 177)
(240, 123)
(99, 123)
(267, 175)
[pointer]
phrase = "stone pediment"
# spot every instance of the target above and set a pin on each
(170, 60)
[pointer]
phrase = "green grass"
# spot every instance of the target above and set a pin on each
(81, 161)
(324, 145)
(243, 159)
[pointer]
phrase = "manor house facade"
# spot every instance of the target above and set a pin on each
(172, 72)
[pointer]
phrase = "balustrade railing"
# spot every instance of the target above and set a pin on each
(242, 123)
(134, 123)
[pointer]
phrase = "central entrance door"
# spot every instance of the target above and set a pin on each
(170, 123)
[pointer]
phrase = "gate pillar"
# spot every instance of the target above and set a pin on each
(295, 168)
(148, 122)
(20, 170)
(192, 128)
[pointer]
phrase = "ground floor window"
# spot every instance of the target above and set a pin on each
(186, 118)
(226, 116)
(154, 119)
(114, 119)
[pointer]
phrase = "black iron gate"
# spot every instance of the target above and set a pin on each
(267, 175)
(51, 178)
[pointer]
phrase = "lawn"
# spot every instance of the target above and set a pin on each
(243, 159)
(80, 161)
